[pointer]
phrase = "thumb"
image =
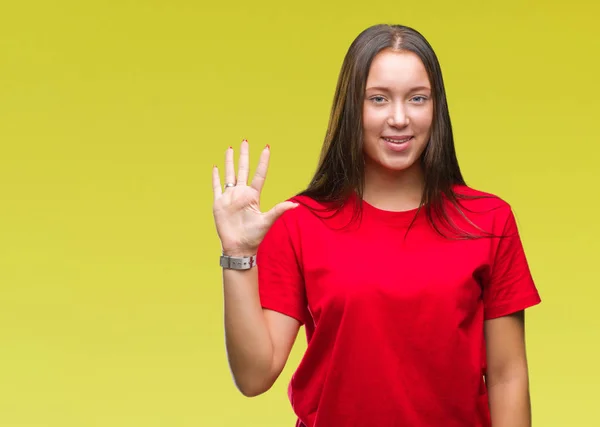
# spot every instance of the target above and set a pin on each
(278, 210)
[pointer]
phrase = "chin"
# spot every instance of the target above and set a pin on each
(402, 166)
(393, 167)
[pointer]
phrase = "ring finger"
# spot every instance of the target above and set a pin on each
(229, 167)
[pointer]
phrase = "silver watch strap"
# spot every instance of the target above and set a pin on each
(237, 263)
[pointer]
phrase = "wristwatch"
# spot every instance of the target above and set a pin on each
(237, 263)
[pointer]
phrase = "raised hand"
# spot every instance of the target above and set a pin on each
(241, 225)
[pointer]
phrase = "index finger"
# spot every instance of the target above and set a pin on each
(261, 170)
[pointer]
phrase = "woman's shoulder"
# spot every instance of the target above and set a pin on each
(308, 204)
(310, 210)
(479, 201)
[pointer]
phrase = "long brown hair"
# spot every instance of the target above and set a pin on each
(341, 168)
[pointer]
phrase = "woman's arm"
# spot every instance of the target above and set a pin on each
(507, 375)
(258, 341)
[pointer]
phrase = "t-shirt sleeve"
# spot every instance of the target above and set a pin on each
(510, 287)
(280, 281)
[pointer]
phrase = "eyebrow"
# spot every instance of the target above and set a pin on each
(387, 89)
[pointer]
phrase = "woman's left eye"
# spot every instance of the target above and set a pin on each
(419, 99)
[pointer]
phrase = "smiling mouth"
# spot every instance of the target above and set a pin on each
(398, 140)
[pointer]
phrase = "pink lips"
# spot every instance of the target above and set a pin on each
(398, 146)
(397, 137)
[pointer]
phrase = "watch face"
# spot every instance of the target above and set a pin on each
(236, 263)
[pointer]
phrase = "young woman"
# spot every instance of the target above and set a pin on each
(410, 284)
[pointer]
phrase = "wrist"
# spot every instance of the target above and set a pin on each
(239, 252)
(237, 262)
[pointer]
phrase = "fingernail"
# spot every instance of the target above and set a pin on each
(230, 147)
(268, 147)
(245, 140)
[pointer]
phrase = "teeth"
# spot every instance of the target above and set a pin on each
(397, 141)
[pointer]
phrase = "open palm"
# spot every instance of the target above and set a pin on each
(241, 225)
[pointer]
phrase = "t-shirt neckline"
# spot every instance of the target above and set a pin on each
(400, 218)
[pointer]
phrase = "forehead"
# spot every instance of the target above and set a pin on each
(397, 69)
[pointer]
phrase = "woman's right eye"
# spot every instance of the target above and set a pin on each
(377, 99)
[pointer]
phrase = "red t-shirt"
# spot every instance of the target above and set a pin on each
(394, 320)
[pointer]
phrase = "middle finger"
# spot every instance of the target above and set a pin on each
(244, 165)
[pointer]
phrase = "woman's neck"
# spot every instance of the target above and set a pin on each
(394, 190)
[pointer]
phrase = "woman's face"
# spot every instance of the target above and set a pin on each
(397, 111)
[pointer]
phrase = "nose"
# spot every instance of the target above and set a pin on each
(398, 116)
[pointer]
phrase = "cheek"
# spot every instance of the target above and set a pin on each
(372, 121)
(423, 120)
